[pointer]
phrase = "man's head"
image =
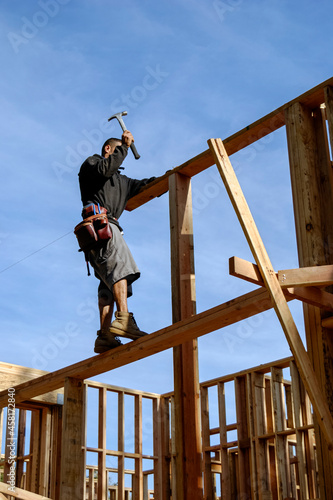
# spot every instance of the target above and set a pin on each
(109, 146)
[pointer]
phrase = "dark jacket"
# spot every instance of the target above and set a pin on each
(101, 182)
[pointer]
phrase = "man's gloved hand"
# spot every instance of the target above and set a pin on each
(127, 138)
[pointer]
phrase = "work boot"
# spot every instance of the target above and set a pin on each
(106, 341)
(125, 326)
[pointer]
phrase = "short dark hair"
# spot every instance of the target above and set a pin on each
(109, 142)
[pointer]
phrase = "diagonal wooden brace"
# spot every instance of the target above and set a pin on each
(279, 302)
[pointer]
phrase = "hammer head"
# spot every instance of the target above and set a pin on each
(118, 116)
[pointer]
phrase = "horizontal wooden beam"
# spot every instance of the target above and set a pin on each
(11, 375)
(21, 494)
(241, 139)
(306, 276)
(213, 319)
(248, 271)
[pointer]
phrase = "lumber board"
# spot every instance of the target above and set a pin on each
(243, 436)
(121, 445)
(241, 139)
(101, 475)
(281, 441)
(225, 314)
(206, 457)
(72, 479)
(185, 356)
(300, 436)
(222, 411)
(12, 375)
(21, 494)
(248, 271)
(280, 305)
(138, 470)
(306, 276)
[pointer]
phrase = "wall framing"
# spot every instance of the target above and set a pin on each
(309, 126)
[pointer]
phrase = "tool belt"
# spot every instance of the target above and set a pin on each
(94, 230)
(92, 209)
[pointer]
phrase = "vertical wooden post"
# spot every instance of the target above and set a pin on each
(157, 446)
(34, 450)
(56, 434)
(186, 376)
(102, 479)
(20, 447)
(243, 433)
(138, 475)
(44, 452)
(311, 178)
(281, 442)
(121, 445)
(72, 455)
(225, 473)
(207, 462)
(165, 447)
(263, 490)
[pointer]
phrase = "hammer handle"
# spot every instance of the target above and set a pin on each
(134, 151)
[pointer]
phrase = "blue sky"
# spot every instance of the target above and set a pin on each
(185, 71)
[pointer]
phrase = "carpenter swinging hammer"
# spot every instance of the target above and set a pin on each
(122, 124)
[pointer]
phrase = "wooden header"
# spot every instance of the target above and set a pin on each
(248, 135)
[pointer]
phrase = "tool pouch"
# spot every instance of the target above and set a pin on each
(92, 230)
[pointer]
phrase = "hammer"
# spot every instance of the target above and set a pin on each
(122, 124)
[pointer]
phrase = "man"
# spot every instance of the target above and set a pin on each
(102, 186)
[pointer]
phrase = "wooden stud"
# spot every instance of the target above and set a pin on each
(157, 447)
(225, 476)
(20, 446)
(138, 475)
(261, 445)
(72, 483)
(165, 448)
(279, 302)
(243, 435)
(281, 444)
(44, 452)
(56, 451)
(34, 450)
(121, 444)
(207, 472)
(186, 376)
(300, 441)
(102, 475)
(173, 448)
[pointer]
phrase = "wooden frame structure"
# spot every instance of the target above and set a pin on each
(309, 126)
(265, 436)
